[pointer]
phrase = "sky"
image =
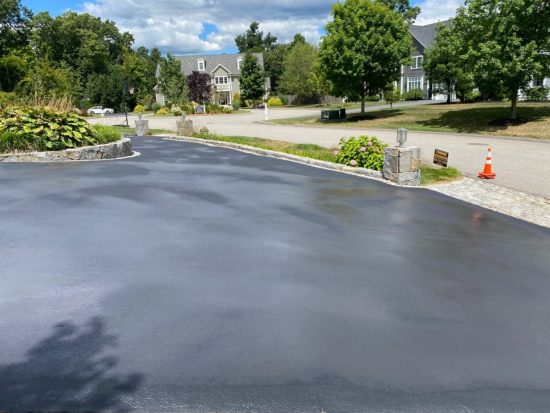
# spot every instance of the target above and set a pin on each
(210, 26)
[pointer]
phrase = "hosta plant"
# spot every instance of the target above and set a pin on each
(362, 151)
(43, 129)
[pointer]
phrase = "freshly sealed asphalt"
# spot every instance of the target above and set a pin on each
(194, 278)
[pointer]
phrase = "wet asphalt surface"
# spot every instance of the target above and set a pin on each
(194, 278)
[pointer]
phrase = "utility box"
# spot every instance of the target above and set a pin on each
(333, 114)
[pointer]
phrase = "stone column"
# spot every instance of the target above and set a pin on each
(184, 127)
(402, 165)
(142, 127)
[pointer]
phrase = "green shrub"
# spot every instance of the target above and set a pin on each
(7, 99)
(163, 112)
(537, 93)
(414, 94)
(274, 101)
(139, 109)
(373, 98)
(176, 110)
(472, 96)
(43, 129)
(213, 108)
(362, 151)
(284, 99)
(236, 104)
(106, 134)
(155, 107)
(188, 108)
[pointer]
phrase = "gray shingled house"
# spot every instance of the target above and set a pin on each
(224, 71)
(413, 75)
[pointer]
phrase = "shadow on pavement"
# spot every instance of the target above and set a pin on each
(67, 371)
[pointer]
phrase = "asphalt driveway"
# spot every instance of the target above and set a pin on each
(195, 278)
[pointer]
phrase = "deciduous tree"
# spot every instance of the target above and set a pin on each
(172, 82)
(365, 46)
(199, 87)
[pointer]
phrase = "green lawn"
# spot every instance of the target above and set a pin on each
(430, 175)
(350, 105)
(476, 118)
(132, 131)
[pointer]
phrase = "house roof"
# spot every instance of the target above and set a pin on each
(211, 62)
(425, 35)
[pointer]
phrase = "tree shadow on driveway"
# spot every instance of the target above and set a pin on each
(67, 371)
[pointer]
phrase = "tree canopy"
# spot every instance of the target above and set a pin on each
(199, 87)
(505, 43)
(172, 82)
(365, 46)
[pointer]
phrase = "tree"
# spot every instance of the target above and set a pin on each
(253, 40)
(46, 79)
(392, 94)
(365, 46)
(199, 87)
(506, 43)
(172, 82)
(14, 26)
(299, 75)
(13, 68)
(442, 61)
(252, 78)
(404, 8)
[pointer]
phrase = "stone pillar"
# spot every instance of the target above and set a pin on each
(402, 165)
(185, 127)
(142, 127)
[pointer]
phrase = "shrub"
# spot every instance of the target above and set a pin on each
(472, 96)
(274, 101)
(373, 98)
(162, 112)
(139, 109)
(236, 104)
(188, 108)
(537, 93)
(43, 129)
(213, 108)
(176, 110)
(106, 134)
(284, 99)
(156, 106)
(363, 151)
(227, 110)
(414, 94)
(7, 99)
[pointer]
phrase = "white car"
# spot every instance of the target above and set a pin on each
(100, 110)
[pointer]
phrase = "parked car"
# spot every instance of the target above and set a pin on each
(100, 110)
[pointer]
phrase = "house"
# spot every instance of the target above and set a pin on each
(413, 76)
(224, 71)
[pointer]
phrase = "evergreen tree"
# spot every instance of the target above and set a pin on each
(252, 79)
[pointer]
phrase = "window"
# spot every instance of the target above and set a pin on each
(538, 82)
(220, 80)
(414, 82)
(201, 65)
(416, 62)
(239, 63)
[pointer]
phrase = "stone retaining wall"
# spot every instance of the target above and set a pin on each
(113, 150)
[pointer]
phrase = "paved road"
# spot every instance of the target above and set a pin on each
(194, 278)
(520, 164)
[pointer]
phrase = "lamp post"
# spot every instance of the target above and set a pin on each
(127, 89)
(401, 137)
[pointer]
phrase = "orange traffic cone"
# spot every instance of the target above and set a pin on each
(487, 172)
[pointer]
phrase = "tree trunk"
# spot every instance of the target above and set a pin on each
(513, 111)
(449, 91)
(362, 103)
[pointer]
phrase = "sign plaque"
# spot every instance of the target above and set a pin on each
(441, 157)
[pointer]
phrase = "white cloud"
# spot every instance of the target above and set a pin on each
(178, 26)
(437, 10)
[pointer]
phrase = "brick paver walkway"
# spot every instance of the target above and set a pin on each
(517, 204)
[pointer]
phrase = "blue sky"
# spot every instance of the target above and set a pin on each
(210, 26)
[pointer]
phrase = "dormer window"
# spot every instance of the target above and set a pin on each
(201, 65)
(239, 63)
